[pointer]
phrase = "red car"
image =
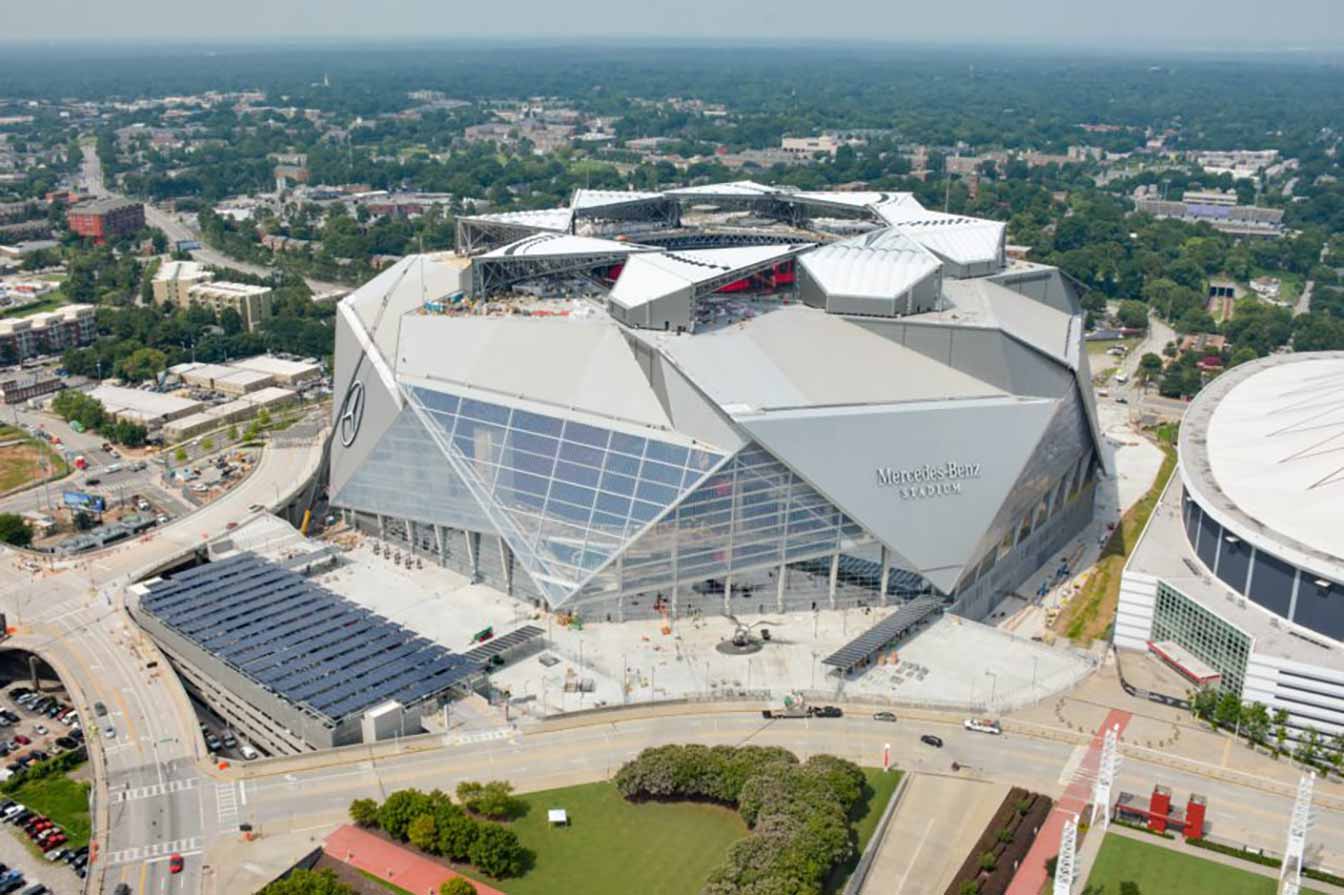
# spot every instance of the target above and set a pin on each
(175, 863)
(22, 740)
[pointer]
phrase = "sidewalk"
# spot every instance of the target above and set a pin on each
(391, 863)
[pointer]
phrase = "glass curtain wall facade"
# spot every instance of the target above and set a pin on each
(1223, 646)
(565, 495)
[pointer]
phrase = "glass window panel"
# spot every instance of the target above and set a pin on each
(578, 453)
(609, 521)
(480, 449)
(627, 444)
(702, 460)
(664, 475)
(574, 494)
(618, 484)
(644, 512)
(524, 481)
(610, 503)
(519, 500)
(439, 401)
(658, 494)
(691, 476)
(525, 462)
(663, 452)
(490, 413)
(576, 474)
(535, 422)
(585, 434)
(623, 464)
(534, 444)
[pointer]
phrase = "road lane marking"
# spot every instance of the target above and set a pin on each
(160, 850)
(157, 789)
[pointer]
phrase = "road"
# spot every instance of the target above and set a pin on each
(1303, 305)
(177, 230)
(152, 798)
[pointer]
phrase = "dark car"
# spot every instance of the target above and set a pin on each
(930, 740)
(828, 711)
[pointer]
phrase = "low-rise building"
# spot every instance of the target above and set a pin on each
(252, 303)
(46, 332)
(15, 389)
(285, 372)
(174, 280)
(149, 409)
(106, 218)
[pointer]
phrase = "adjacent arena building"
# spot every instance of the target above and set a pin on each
(732, 397)
(1235, 582)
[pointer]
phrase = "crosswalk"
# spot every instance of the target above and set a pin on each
(156, 850)
(481, 736)
(226, 801)
(149, 792)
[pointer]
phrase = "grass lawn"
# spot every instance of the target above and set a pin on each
(614, 847)
(63, 800)
(1091, 611)
(1099, 347)
(881, 786)
(49, 302)
(1157, 870)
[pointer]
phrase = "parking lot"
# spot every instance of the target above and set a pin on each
(36, 725)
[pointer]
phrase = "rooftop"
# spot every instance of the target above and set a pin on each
(118, 399)
(300, 641)
(103, 205)
(1261, 446)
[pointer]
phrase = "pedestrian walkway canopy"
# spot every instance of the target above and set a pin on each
(868, 644)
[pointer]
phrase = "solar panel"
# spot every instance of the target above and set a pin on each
(311, 647)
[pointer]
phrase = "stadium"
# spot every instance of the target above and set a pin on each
(726, 398)
(1237, 581)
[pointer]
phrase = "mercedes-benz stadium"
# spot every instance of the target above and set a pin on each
(730, 397)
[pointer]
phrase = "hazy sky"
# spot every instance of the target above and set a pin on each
(1123, 24)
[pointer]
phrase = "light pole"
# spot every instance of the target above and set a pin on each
(993, 687)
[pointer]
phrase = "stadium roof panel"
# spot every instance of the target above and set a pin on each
(959, 239)
(736, 188)
(796, 356)
(648, 277)
(557, 220)
(1264, 445)
(590, 199)
(878, 265)
(557, 245)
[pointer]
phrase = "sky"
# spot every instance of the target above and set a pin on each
(1118, 24)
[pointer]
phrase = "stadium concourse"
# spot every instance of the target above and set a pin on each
(726, 399)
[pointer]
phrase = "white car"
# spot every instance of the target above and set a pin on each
(110, 732)
(982, 725)
(41, 729)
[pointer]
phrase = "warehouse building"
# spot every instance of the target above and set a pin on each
(737, 416)
(220, 415)
(287, 373)
(150, 409)
(1238, 580)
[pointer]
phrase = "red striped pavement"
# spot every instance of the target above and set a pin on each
(388, 861)
(1031, 876)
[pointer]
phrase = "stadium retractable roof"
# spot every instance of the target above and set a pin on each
(877, 273)
(973, 246)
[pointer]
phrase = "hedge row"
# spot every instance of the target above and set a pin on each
(799, 813)
(433, 823)
(1264, 860)
(59, 764)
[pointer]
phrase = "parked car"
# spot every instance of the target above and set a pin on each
(41, 730)
(99, 709)
(175, 863)
(827, 711)
(22, 740)
(929, 739)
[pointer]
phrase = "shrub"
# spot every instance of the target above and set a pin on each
(402, 807)
(497, 851)
(364, 812)
(987, 861)
(307, 882)
(457, 886)
(494, 799)
(422, 833)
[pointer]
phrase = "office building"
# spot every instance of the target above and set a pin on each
(106, 219)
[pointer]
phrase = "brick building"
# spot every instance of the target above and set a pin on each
(107, 218)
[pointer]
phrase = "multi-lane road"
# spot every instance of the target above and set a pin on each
(152, 799)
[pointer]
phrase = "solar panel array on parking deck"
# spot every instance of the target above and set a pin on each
(491, 648)
(884, 632)
(301, 641)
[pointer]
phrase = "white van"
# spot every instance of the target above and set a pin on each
(248, 752)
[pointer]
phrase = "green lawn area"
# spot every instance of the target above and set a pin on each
(1158, 870)
(1099, 347)
(881, 786)
(63, 800)
(615, 847)
(49, 302)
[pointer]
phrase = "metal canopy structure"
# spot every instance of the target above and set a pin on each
(482, 232)
(480, 656)
(310, 647)
(546, 255)
(894, 626)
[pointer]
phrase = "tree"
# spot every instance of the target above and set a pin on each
(1255, 723)
(1242, 355)
(143, 363)
(497, 851)
(1280, 730)
(15, 530)
(1308, 746)
(457, 834)
(458, 885)
(180, 455)
(402, 807)
(1150, 366)
(364, 812)
(494, 799)
(1133, 314)
(1204, 703)
(422, 833)
(307, 882)
(1227, 711)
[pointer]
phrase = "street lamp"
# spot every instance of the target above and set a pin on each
(993, 687)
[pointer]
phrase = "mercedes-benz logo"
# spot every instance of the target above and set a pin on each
(352, 414)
